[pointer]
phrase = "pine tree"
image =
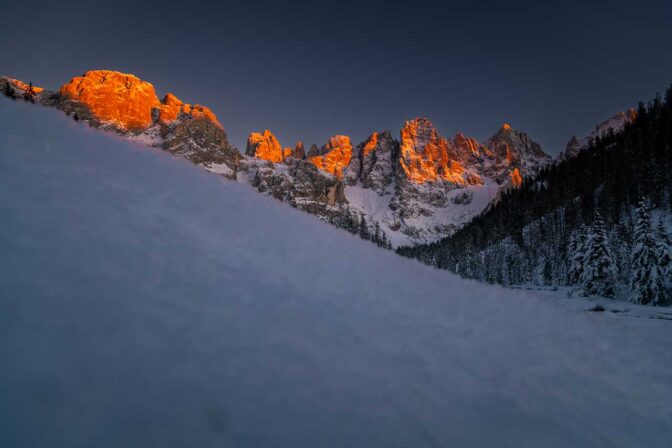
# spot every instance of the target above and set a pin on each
(623, 249)
(647, 286)
(376, 234)
(599, 272)
(576, 255)
(363, 228)
(664, 253)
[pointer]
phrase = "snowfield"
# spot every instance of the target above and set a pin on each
(146, 302)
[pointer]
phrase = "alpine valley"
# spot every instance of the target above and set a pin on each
(500, 210)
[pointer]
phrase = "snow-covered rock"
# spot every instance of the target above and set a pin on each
(613, 124)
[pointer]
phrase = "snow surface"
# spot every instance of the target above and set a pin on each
(146, 302)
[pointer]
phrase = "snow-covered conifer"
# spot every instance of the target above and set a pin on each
(599, 274)
(648, 281)
(576, 253)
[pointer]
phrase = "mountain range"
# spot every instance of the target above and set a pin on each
(417, 188)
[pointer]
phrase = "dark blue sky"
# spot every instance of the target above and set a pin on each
(308, 70)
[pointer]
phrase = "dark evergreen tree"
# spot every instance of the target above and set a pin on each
(599, 275)
(363, 228)
(664, 254)
(648, 282)
(576, 255)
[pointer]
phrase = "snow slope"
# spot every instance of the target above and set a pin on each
(146, 302)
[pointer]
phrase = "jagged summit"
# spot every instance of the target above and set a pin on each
(125, 101)
(264, 146)
(334, 156)
(173, 108)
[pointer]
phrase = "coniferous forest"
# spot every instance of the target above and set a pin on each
(599, 222)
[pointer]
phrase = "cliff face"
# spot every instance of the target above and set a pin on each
(120, 100)
(264, 146)
(334, 156)
(428, 157)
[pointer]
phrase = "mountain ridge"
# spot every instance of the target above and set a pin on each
(414, 189)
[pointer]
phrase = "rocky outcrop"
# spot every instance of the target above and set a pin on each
(172, 108)
(16, 89)
(428, 157)
(264, 146)
(299, 151)
(516, 178)
(299, 183)
(201, 141)
(334, 156)
(514, 150)
(113, 99)
(375, 162)
(129, 105)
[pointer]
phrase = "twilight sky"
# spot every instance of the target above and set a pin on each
(308, 70)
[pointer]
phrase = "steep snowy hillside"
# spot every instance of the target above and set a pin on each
(146, 302)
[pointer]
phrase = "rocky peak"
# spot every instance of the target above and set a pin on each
(125, 102)
(374, 162)
(118, 99)
(469, 149)
(313, 151)
(173, 108)
(613, 124)
(516, 150)
(264, 146)
(299, 151)
(426, 156)
(334, 156)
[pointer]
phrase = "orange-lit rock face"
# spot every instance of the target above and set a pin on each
(265, 146)
(123, 100)
(468, 146)
(25, 87)
(128, 102)
(335, 156)
(371, 144)
(516, 178)
(428, 157)
(172, 108)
